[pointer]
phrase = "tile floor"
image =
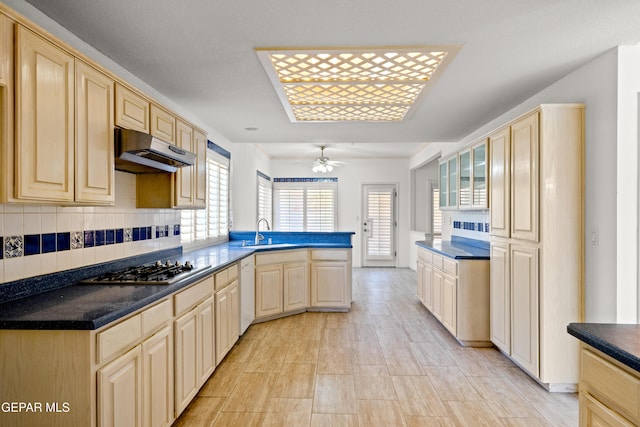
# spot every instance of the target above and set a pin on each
(387, 362)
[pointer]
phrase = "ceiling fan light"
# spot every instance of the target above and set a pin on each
(329, 168)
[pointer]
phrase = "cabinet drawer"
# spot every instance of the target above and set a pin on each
(280, 257)
(156, 316)
(605, 380)
(193, 295)
(117, 338)
(438, 261)
(329, 255)
(425, 256)
(226, 276)
(450, 266)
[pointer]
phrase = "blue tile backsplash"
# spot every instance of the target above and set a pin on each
(35, 244)
(37, 240)
(472, 226)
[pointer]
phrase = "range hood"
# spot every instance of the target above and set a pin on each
(139, 152)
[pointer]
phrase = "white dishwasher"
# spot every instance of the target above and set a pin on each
(247, 293)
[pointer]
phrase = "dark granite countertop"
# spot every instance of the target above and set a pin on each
(620, 341)
(78, 306)
(458, 248)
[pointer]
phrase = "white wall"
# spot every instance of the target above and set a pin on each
(595, 85)
(627, 184)
(421, 208)
(246, 160)
(350, 180)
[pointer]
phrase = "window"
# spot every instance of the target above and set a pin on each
(265, 193)
(436, 213)
(212, 223)
(305, 204)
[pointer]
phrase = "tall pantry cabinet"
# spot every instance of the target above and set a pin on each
(537, 241)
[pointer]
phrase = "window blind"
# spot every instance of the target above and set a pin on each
(265, 196)
(212, 223)
(436, 213)
(380, 204)
(305, 204)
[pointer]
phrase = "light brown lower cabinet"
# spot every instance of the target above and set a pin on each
(609, 391)
(281, 281)
(118, 375)
(120, 391)
(157, 384)
(330, 284)
(456, 292)
(136, 389)
(194, 330)
(292, 281)
(227, 300)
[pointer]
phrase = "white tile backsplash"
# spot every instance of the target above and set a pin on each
(49, 222)
(13, 223)
(18, 220)
(32, 223)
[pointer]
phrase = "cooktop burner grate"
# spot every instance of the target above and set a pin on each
(158, 273)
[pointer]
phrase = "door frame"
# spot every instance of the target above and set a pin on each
(394, 240)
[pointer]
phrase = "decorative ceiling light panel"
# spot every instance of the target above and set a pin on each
(353, 84)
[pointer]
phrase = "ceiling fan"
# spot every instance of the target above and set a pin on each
(323, 164)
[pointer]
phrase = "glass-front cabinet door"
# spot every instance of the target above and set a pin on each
(453, 182)
(479, 197)
(443, 185)
(465, 179)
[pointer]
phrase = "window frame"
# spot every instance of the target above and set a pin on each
(305, 185)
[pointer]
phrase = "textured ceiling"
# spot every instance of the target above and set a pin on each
(200, 54)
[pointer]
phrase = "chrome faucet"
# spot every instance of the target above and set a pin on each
(258, 235)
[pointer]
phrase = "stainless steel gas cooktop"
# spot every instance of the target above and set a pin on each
(158, 273)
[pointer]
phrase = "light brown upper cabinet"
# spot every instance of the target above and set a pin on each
(466, 172)
(44, 148)
(94, 136)
(480, 177)
(64, 127)
(200, 175)
(6, 50)
(472, 177)
(524, 178)
(449, 182)
(442, 187)
(514, 180)
(132, 109)
(500, 159)
(6, 108)
(184, 176)
(163, 124)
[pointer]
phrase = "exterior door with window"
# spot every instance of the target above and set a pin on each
(379, 225)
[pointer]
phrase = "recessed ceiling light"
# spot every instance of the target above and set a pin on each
(353, 84)
(251, 129)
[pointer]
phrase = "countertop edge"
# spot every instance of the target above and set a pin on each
(579, 331)
(426, 245)
(237, 253)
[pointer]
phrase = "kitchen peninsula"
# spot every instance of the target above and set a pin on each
(609, 373)
(453, 284)
(110, 352)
